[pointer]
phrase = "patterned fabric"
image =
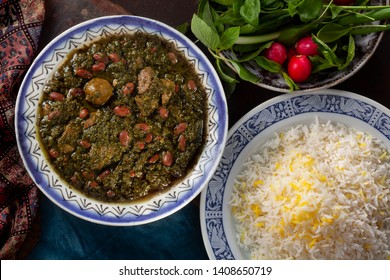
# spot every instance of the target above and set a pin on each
(20, 27)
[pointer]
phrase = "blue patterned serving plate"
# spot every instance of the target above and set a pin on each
(365, 47)
(261, 124)
(138, 212)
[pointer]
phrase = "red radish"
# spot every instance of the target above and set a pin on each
(306, 46)
(276, 52)
(291, 52)
(299, 68)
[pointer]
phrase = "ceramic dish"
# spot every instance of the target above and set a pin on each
(261, 124)
(72, 201)
(365, 48)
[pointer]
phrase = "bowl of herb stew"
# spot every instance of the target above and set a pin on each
(118, 118)
(240, 34)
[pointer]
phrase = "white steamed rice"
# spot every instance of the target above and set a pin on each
(315, 192)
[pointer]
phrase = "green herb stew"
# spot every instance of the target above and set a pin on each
(123, 118)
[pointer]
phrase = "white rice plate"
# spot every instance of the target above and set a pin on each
(318, 191)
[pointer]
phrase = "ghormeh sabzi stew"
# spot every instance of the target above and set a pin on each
(123, 117)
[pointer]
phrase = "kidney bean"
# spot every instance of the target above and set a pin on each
(142, 126)
(93, 184)
(172, 57)
(84, 113)
(85, 143)
(167, 158)
(177, 88)
(148, 138)
(132, 173)
(153, 50)
(83, 73)
(140, 145)
(88, 174)
(182, 143)
(121, 111)
(114, 57)
(124, 138)
(76, 92)
(192, 85)
(98, 67)
(164, 113)
(110, 193)
(154, 158)
(180, 128)
(129, 88)
(56, 96)
(101, 57)
(53, 153)
(104, 174)
(56, 113)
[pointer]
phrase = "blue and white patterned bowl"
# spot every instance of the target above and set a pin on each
(72, 201)
(258, 126)
(365, 47)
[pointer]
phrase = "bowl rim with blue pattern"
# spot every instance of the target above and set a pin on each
(259, 125)
(72, 201)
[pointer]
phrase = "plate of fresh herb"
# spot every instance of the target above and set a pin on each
(298, 45)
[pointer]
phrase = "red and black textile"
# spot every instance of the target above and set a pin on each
(20, 28)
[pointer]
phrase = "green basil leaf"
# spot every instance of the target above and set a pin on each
(250, 11)
(201, 6)
(244, 73)
(268, 65)
(229, 37)
(237, 6)
(207, 16)
(332, 32)
(272, 5)
(350, 52)
(291, 84)
(256, 53)
(204, 33)
(183, 28)
(228, 77)
(224, 2)
(230, 19)
(319, 63)
(267, 23)
(369, 28)
(335, 10)
(290, 36)
(292, 7)
(309, 9)
(365, 17)
(224, 72)
(327, 52)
